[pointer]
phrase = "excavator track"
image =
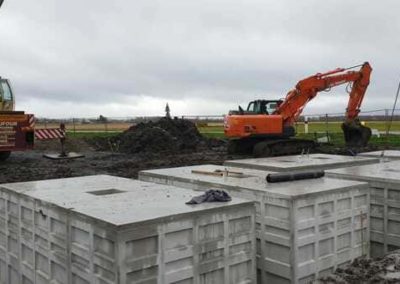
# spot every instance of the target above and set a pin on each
(282, 147)
(270, 147)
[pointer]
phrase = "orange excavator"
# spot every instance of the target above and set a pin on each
(267, 126)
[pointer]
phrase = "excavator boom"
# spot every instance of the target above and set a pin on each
(308, 88)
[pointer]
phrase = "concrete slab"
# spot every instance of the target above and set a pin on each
(388, 155)
(301, 162)
(115, 200)
(384, 183)
(253, 180)
(303, 228)
(104, 229)
(388, 172)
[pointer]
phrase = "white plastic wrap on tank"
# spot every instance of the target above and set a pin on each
(386, 155)
(384, 182)
(104, 229)
(301, 162)
(305, 229)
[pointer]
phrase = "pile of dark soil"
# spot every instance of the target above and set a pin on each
(163, 136)
(368, 270)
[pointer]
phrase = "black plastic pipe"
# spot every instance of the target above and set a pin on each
(282, 177)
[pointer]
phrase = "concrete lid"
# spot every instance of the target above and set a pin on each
(301, 162)
(382, 172)
(386, 154)
(139, 201)
(252, 180)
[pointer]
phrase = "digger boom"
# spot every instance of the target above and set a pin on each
(308, 88)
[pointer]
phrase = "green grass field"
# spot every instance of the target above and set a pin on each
(91, 134)
(319, 129)
(335, 126)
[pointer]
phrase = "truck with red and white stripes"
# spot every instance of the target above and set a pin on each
(16, 127)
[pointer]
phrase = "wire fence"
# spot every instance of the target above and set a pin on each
(322, 122)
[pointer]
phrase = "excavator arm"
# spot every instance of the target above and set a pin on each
(357, 93)
(306, 89)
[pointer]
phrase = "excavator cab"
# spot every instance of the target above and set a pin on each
(263, 106)
(258, 107)
(6, 96)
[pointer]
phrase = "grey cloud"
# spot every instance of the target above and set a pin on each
(102, 51)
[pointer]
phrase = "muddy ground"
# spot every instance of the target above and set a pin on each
(165, 143)
(30, 165)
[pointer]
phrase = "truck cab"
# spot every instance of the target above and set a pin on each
(16, 127)
(6, 96)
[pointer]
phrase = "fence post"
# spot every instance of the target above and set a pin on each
(387, 120)
(306, 125)
(73, 125)
(326, 125)
(326, 122)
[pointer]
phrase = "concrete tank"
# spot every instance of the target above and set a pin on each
(104, 229)
(384, 183)
(301, 162)
(305, 229)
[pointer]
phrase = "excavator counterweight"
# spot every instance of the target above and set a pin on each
(267, 126)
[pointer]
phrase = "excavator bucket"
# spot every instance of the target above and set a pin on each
(356, 135)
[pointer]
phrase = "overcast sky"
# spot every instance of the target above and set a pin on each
(126, 58)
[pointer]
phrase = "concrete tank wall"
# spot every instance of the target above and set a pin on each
(104, 229)
(384, 183)
(301, 162)
(305, 229)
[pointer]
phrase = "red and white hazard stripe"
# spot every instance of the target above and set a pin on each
(49, 133)
(32, 120)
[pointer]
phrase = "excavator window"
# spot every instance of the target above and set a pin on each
(271, 107)
(251, 106)
(263, 106)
